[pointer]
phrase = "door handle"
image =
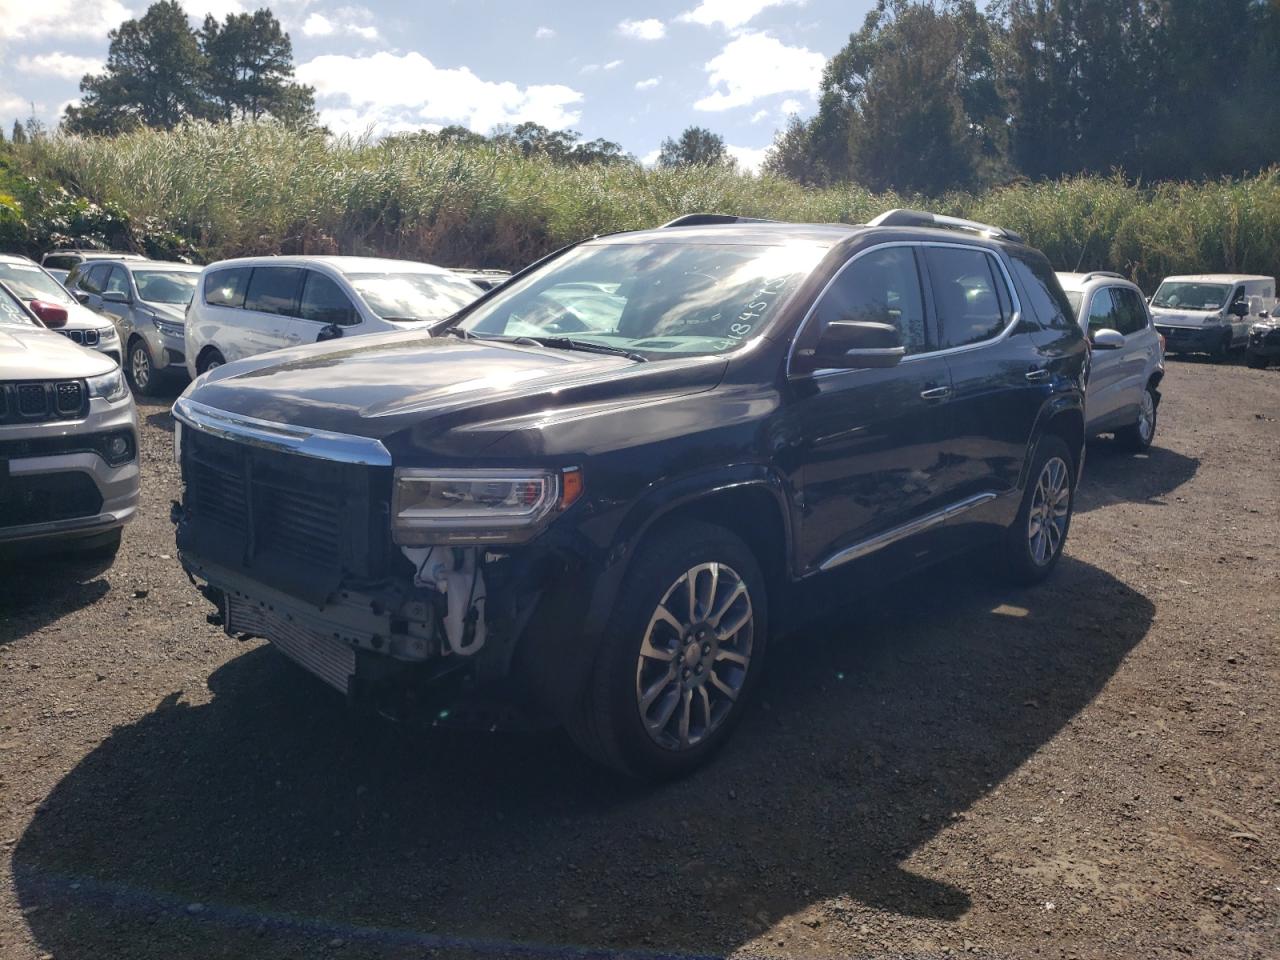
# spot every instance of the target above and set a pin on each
(1035, 376)
(935, 393)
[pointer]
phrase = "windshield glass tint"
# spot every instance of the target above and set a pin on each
(11, 312)
(1190, 296)
(413, 296)
(652, 297)
(165, 286)
(31, 283)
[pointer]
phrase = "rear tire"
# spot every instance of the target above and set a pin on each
(677, 663)
(1034, 543)
(1139, 436)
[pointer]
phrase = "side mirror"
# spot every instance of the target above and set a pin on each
(1240, 308)
(330, 331)
(114, 296)
(80, 296)
(1105, 339)
(857, 344)
(50, 314)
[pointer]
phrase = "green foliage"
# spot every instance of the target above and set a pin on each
(160, 72)
(250, 188)
(696, 147)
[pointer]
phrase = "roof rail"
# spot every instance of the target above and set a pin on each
(708, 219)
(922, 218)
(1103, 273)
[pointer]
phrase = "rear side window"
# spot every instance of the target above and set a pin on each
(966, 288)
(225, 288)
(882, 286)
(1131, 314)
(324, 302)
(1051, 307)
(274, 290)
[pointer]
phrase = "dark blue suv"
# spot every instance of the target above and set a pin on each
(593, 495)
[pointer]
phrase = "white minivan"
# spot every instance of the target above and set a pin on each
(1211, 312)
(251, 305)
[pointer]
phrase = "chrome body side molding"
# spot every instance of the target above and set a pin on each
(919, 525)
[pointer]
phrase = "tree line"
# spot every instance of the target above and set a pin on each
(933, 95)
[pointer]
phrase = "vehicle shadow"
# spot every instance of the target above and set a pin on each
(266, 821)
(39, 589)
(1113, 474)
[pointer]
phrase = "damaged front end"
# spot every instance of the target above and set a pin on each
(362, 574)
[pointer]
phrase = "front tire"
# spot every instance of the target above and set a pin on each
(209, 360)
(1140, 434)
(140, 368)
(1034, 543)
(680, 656)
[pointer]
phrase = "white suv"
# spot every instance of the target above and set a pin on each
(255, 304)
(1128, 356)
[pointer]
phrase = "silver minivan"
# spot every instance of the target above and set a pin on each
(249, 306)
(147, 301)
(1127, 364)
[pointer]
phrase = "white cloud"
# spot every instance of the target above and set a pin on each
(650, 158)
(648, 84)
(790, 106)
(352, 21)
(219, 9)
(544, 33)
(56, 64)
(759, 115)
(390, 92)
(13, 106)
(755, 65)
(749, 159)
(730, 13)
(613, 65)
(650, 29)
(20, 20)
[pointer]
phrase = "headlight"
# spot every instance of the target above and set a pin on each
(170, 329)
(477, 506)
(109, 386)
(108, 334)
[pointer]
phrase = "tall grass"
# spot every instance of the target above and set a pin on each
(260, 188)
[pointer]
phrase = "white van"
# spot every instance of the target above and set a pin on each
(1211, 312)
(251, 305)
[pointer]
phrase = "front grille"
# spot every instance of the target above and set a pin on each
(299, 524)
(331, 660)
(86, 338)
(40, 400)
(47, 497)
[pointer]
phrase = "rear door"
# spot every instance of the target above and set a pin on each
(869, 442)
(1002, 362)
(270, 309)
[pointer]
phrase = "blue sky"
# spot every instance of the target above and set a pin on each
(633, 72)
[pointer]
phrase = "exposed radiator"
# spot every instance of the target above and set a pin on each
(331, 660)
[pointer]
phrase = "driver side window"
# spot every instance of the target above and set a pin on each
(882, 286)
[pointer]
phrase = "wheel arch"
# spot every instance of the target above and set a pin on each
(1061, 417)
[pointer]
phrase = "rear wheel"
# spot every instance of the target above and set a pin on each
(680, 656)
(1034, 544)
(210, 359)
(140, 368)
(1142, 432)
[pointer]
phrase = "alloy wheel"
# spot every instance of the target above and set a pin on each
(695, 656)
(1146, 417)
(1050, 509)
(140, 367)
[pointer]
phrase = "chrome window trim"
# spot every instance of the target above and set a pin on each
(318, 444)
(908, 529)
(1014, 301)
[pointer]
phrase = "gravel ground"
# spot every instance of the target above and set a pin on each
(1087, 769)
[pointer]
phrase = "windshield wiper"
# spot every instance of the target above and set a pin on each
(568, 343)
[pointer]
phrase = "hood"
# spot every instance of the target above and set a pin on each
(1186, 318)
(39, 354)
(450, 396)
(168, 312)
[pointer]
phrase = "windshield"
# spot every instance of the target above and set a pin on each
(1190, 296)
(413, 296)
(166, 286)
(652, 298)
(12, 313)
(1074, 297)
(31, 283)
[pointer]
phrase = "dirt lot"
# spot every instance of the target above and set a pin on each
(1088, 769)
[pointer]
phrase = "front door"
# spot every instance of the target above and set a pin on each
(1103, 398)
(869, 442)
